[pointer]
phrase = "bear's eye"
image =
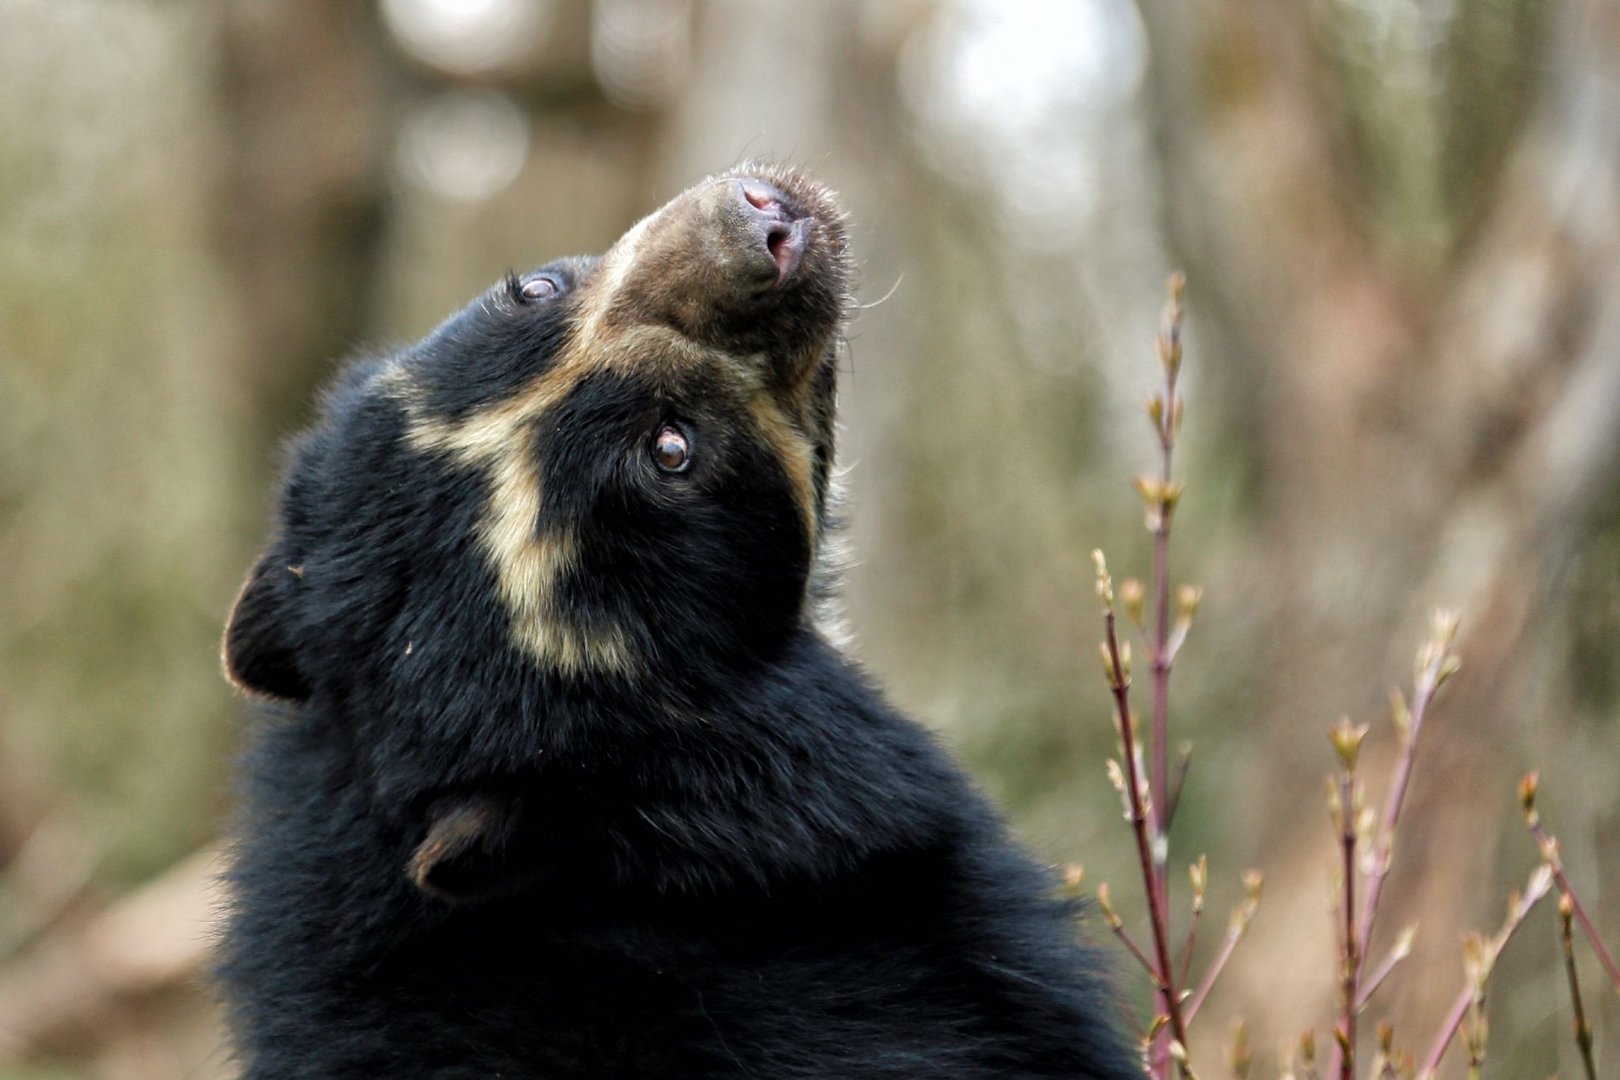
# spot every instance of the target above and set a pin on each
(671, 450)
(537, 288)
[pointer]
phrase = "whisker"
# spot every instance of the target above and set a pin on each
(885, 297)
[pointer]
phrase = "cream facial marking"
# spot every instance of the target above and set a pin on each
(631, 317)
(790, 446)
(499, 442)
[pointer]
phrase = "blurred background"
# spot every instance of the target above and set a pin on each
(1400, 221)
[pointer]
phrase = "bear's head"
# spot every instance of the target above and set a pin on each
(605, 472)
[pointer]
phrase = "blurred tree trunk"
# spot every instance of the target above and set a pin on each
(303, 98)
(119, 475)
(1431, 372)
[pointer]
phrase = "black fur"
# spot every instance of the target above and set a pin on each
(462, 856)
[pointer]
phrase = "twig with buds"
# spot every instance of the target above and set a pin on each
(1435, 664)
(1149, 802)
(1160, 495)
(1566, 941)
(1479, 957)
(1236, 927)
(1400, 951)
(1165, 411)
(1117, 925)
(1347, 738)
(1142, 776)
(1197, 880)
(1353, 822)
(1570, 911)
(1548, 846)
(1116, 666)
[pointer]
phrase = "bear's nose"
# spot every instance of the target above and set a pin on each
(784, 233)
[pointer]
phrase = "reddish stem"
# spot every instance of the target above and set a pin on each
(1162, 657)
(1136, 951)
(1173, 798)
(1459, 1008)
(1371, 984)
(1168, 997)
(1423, 694)
(1448, 1031)
(1187, 947)
(1352, 956)
(1234, 934)
(1543, 843)
(1583, 1029)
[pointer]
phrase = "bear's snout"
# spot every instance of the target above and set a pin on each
(777, 225)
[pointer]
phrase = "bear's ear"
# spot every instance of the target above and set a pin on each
(258, 650)
(465, 859)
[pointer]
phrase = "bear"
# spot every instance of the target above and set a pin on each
(559, 771)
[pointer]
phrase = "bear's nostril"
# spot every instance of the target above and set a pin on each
(774, 221)
(776, 237)
(760, 198)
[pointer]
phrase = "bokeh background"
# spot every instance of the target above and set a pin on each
(1400, 221)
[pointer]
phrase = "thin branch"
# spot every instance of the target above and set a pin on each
(1548, 846)
(1162, 503)
(1161, 498)
(1140, 809)
(1118, 674)
(1583, 1027)
(1141, 957)
(1347, 739)
(1236, 927)
(1234, 934)
(1117, 925)
(1538, 886)
(1448, 1031)
(1199, 872)
(1350, 959)
(1587, 928)
(1436, 663)
(1370, 985)
(1474, 1027)
(1183, 764)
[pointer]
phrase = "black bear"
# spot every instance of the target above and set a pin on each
(560, 776)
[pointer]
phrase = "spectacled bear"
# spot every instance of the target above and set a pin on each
(560, 777)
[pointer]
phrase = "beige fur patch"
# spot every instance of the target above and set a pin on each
(499, 442)
(792, 447)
